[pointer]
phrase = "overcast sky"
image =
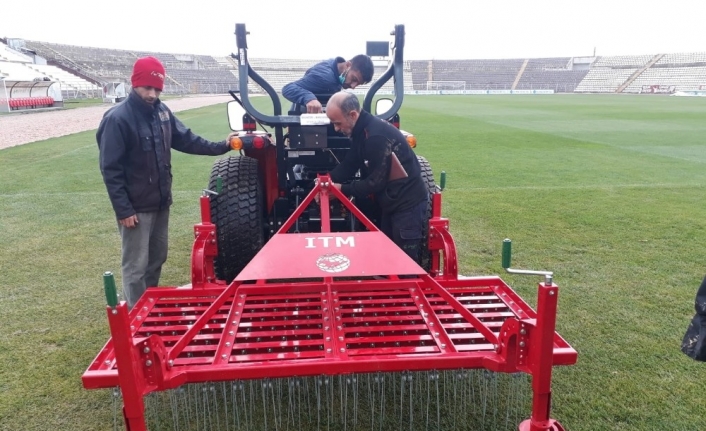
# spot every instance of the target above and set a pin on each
(317, 29)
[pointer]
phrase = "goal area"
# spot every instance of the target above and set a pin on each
(446, 85)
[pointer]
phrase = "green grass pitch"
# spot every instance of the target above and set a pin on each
(609, 192)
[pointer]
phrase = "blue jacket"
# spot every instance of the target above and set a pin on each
(320, 79)
(135, 141)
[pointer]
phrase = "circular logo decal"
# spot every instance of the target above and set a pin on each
(333, 262)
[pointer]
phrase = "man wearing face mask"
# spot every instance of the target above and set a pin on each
(326, 78)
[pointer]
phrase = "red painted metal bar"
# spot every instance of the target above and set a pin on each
(358, 214)
(324, 186)
(333, 343)
(202, 320)
(324, 189)
(368, 351)
(434, 325)
(132, 383)
(440, 239)
(433, 244)
(540, 364)
(299, 210)
(204, 250)
(324, 199)
(205, 205)
(449, 246)
(438, 289)
(227, 341)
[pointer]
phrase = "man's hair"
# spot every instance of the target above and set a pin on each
(363, 64)
(349, 103)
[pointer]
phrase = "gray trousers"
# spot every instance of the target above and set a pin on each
(144, 251)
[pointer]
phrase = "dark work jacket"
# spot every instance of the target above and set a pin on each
(321, 78)
(694, 341)
(373, 141)
(135, 141)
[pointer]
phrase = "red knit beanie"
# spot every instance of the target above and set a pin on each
(148, 72)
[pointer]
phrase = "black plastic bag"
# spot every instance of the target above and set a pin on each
(694, 343)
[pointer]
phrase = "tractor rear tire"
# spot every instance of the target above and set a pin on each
(237, 212)
(428, 178)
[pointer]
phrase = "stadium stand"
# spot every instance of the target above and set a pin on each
(476, 74)
(604, 80)
(279, 72)
(23, 86)
(672, 72)
(683, 59)
(19, 72)
(623, 61)
(550, 74)
(19, 66)
(186, 73)
(10, 55)
(646, 74)
(421, 73)
(69, 82)
(668, 80)
(82, 69)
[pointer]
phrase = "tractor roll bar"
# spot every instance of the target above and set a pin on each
(396, 69)
(245, 71)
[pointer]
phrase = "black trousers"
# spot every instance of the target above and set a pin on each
(405, 228)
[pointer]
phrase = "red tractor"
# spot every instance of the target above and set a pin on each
(261, 188)
(297, 305)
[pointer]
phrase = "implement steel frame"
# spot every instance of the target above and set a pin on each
(398, 318)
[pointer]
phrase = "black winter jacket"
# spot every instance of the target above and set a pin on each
(374, 140)
(135, 141)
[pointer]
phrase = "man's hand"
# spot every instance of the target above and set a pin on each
(317, 197)
(314, 107)
(129, 222)
(331, 195)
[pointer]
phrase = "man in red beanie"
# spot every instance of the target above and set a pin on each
(135, 139)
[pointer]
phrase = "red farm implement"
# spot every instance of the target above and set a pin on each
(303, 315)
(325, 305)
